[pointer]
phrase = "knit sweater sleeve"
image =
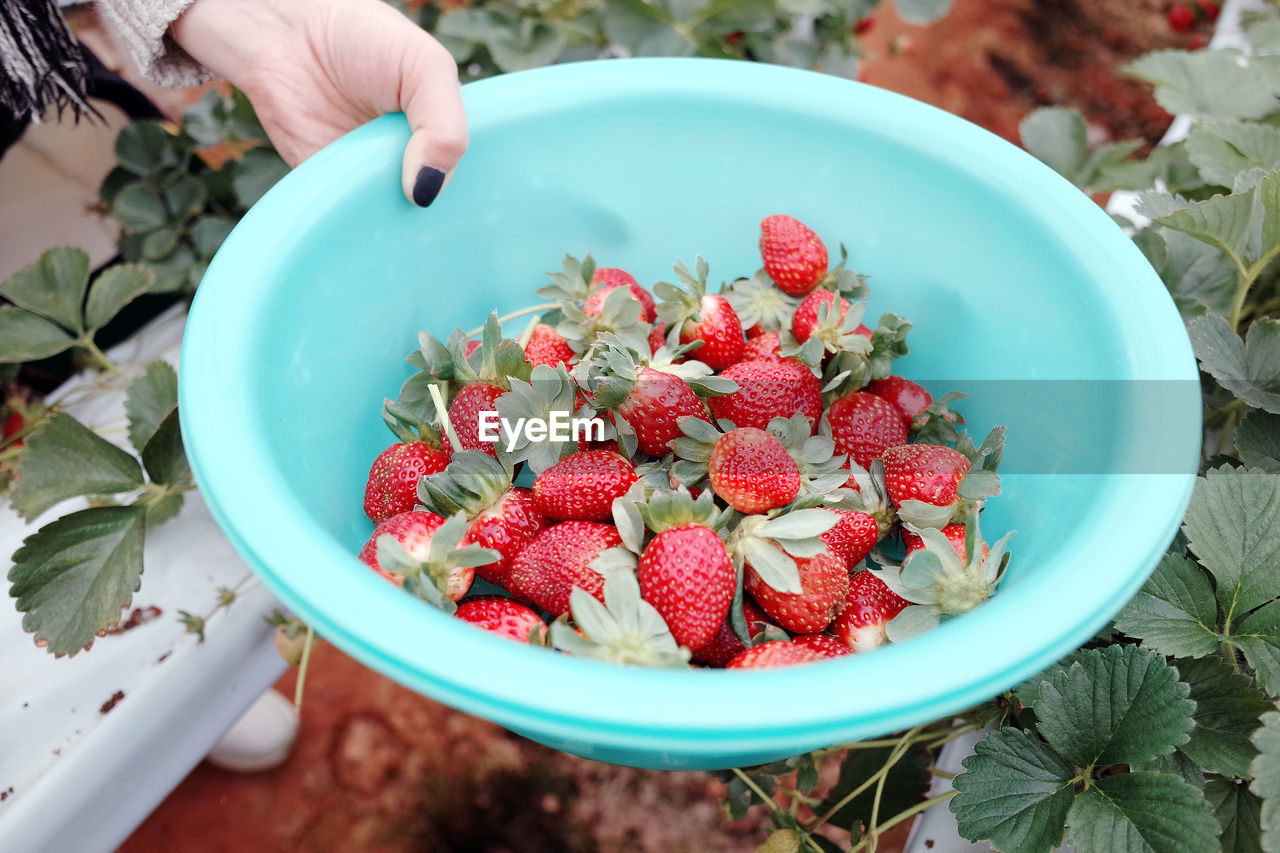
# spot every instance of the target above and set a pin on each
(144, 27)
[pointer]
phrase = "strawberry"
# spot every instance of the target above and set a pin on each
(605, 281)
(794, 256)
(392, 487)
(583, 486)
(701, 316)
(559, 559)
(1209, 8)
(903, 393)
(464, 414)
(506, 526)
(863, 330)
(752, 472)
(863, 426)
(686, 574)
(657, 337)
(12, 425)
(471, 347)
(1181, 18)
(773, 653)
(924, 472)
(768, 390)
(724, 645)
(761, 307)
(648, 402)
(824, 582)
(864, 26)
(825, 645)
(415, 532)
(954, 533)
(853, 537)
(766, 346)
(806, 320)
(504, 617)
(546, 346)
(954, 578)
(868, 607)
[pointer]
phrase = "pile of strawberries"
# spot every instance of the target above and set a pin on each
(751, 454)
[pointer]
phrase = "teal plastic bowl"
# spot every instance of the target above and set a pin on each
(1022, 291)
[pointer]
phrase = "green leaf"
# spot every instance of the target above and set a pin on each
(113, 289)
(531, 46)
(1233, 528)
(1258, 441)
(64, 459)
(52, 287)
(1109, 706)
(905, 785)
(1175, 612)
(1142, 813)
(74, 576)
(922, 11)
(144, 147)
(1222, 150)
(1056, 136)
(1250, 370)
(164, 509)
(644, 29)
(138, 209)
(209, 233)
(1177, 764)
(1211, 83)
(1015, 791)
(150, 398)
(1227, 710)
(1266, 778)
(258, 171)
(164, 457)
(27, 337)
(159, 243)
(1196, 273)
(1258, 636)
(1224, 221)
(185, 198)
(1238, 813)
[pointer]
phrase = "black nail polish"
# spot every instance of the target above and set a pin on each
(428, 185)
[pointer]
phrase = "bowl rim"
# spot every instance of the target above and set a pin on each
(675, 714)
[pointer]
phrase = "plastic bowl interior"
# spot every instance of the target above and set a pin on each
(1022, 292)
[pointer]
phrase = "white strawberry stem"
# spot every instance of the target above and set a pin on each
(303, 665)
(523, 312)
(443, 412)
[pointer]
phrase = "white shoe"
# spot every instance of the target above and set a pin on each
(260, 739)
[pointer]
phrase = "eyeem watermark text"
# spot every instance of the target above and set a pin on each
(560, 426)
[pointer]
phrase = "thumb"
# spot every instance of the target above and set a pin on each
(432, 101)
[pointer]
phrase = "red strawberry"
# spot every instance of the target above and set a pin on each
(1181, 18)
(504, 617)
(853, 537)
(867, 609)
(955, 535)
(768, 390)
(765, 346)
(583, 486)
(773, 653)
(413, 530)
(687, 575)
(652, 406)
(550, 566)
(392, 487)
(752, 472)
(12, 425)
(824, 582)
(719, 331)
(794, 256)
(903, 393)
(864, 26)
(1210, 9)
(825, 645)
(924, 472)
(507, 527)
(725, 645)
(805, 321)
(863, 426)
(464, 414)
(605, 281)
(472, 346)
(546, 346)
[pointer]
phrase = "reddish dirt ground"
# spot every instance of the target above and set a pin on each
(379, 768)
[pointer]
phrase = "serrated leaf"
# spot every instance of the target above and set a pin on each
(1233, 528)
(65, 459)
(52, 287)
(1224, 221)
(1238, 813)
(159, 243)
(144, 147)
(185, 197)
(1015, 791)
(912, 621)
(1227, 710)
(1177, 764)
(531, 45)
(905, 785)
(112, 290)
(27, 337)
(73, 577)
(1195, 272)
(1220, 83)
(163, 455)
(256, 172)
(209, 233)
(164, 509)
(150, 397)
(1258, 441)
(1266, 778)
(1114, 705)
(139, 209)
(1249, 369)
(1258, 636)
(1056, 136)
(1222, 150)
(1142, 813)
(1175, 613)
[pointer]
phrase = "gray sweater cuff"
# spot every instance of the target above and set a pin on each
(144, 27)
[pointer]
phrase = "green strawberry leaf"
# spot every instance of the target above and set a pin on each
(1258, 636)
(1176, 763)
(52, 287)
(1227, 710)
(1233, 528)
(73, 577)
(1258, 441)
(114, 289)
(1238, 812)
(29, 337)
(256, 172)
(163, 455)
(1266, 778)
(1015, 792)
(1224, 221)
(1199, 276)
(1222, 150)
(139, 209)
(64, 459)
(906, 784)
(1249, 369)
(150, 397)
(1220, 83)
(1056, 136)
(1175, 612)
(913, 620)
(1114, 705)
(1142, 813)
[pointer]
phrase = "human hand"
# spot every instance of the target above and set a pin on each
(315, 69)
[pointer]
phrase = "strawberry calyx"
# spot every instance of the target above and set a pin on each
(682, 303)
(472, 483)
(623, 629)
(668, 508)
(759, 303)
(769, 545)
(429, 579)
(547, 395)
(620, 315)
(938, 422)
(408, 426)
(855, 359)
(821, 470)
(496, 361)
(864, 491)
(573, 283)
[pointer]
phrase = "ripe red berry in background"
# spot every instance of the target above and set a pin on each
(583, 486)
(768, 390)
(502, 616)
(794, 256)
(773, 653)
(13, 425)
(605, 281)
(1181, 18)
(864, 26)
(1210, 9)
(805, 321)
(506, 527)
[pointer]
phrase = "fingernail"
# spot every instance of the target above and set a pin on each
(428, 185)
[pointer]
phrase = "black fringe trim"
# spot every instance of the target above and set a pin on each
(41, 65)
